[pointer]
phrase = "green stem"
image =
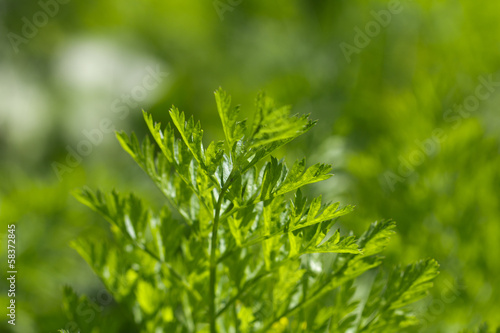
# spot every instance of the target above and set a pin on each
(213, 266)
(213, 254)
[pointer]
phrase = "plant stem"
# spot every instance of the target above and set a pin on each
(213, 254)
(213, 267)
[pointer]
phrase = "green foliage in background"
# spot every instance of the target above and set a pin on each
(238, 247)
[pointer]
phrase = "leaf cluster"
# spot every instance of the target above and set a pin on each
(237, 246)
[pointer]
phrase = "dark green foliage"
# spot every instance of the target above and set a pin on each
(482, 329)
(91, 315)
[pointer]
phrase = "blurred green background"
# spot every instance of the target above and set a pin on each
(405, 92)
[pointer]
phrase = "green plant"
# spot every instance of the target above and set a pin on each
(238, 247)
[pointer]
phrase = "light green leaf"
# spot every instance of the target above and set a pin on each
(234, 130)
(299, 176)
(337, 244)
(191, 134)
(376, 238)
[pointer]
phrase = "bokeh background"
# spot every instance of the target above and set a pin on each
(407, 114)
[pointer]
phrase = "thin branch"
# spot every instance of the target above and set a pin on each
(213, 253)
